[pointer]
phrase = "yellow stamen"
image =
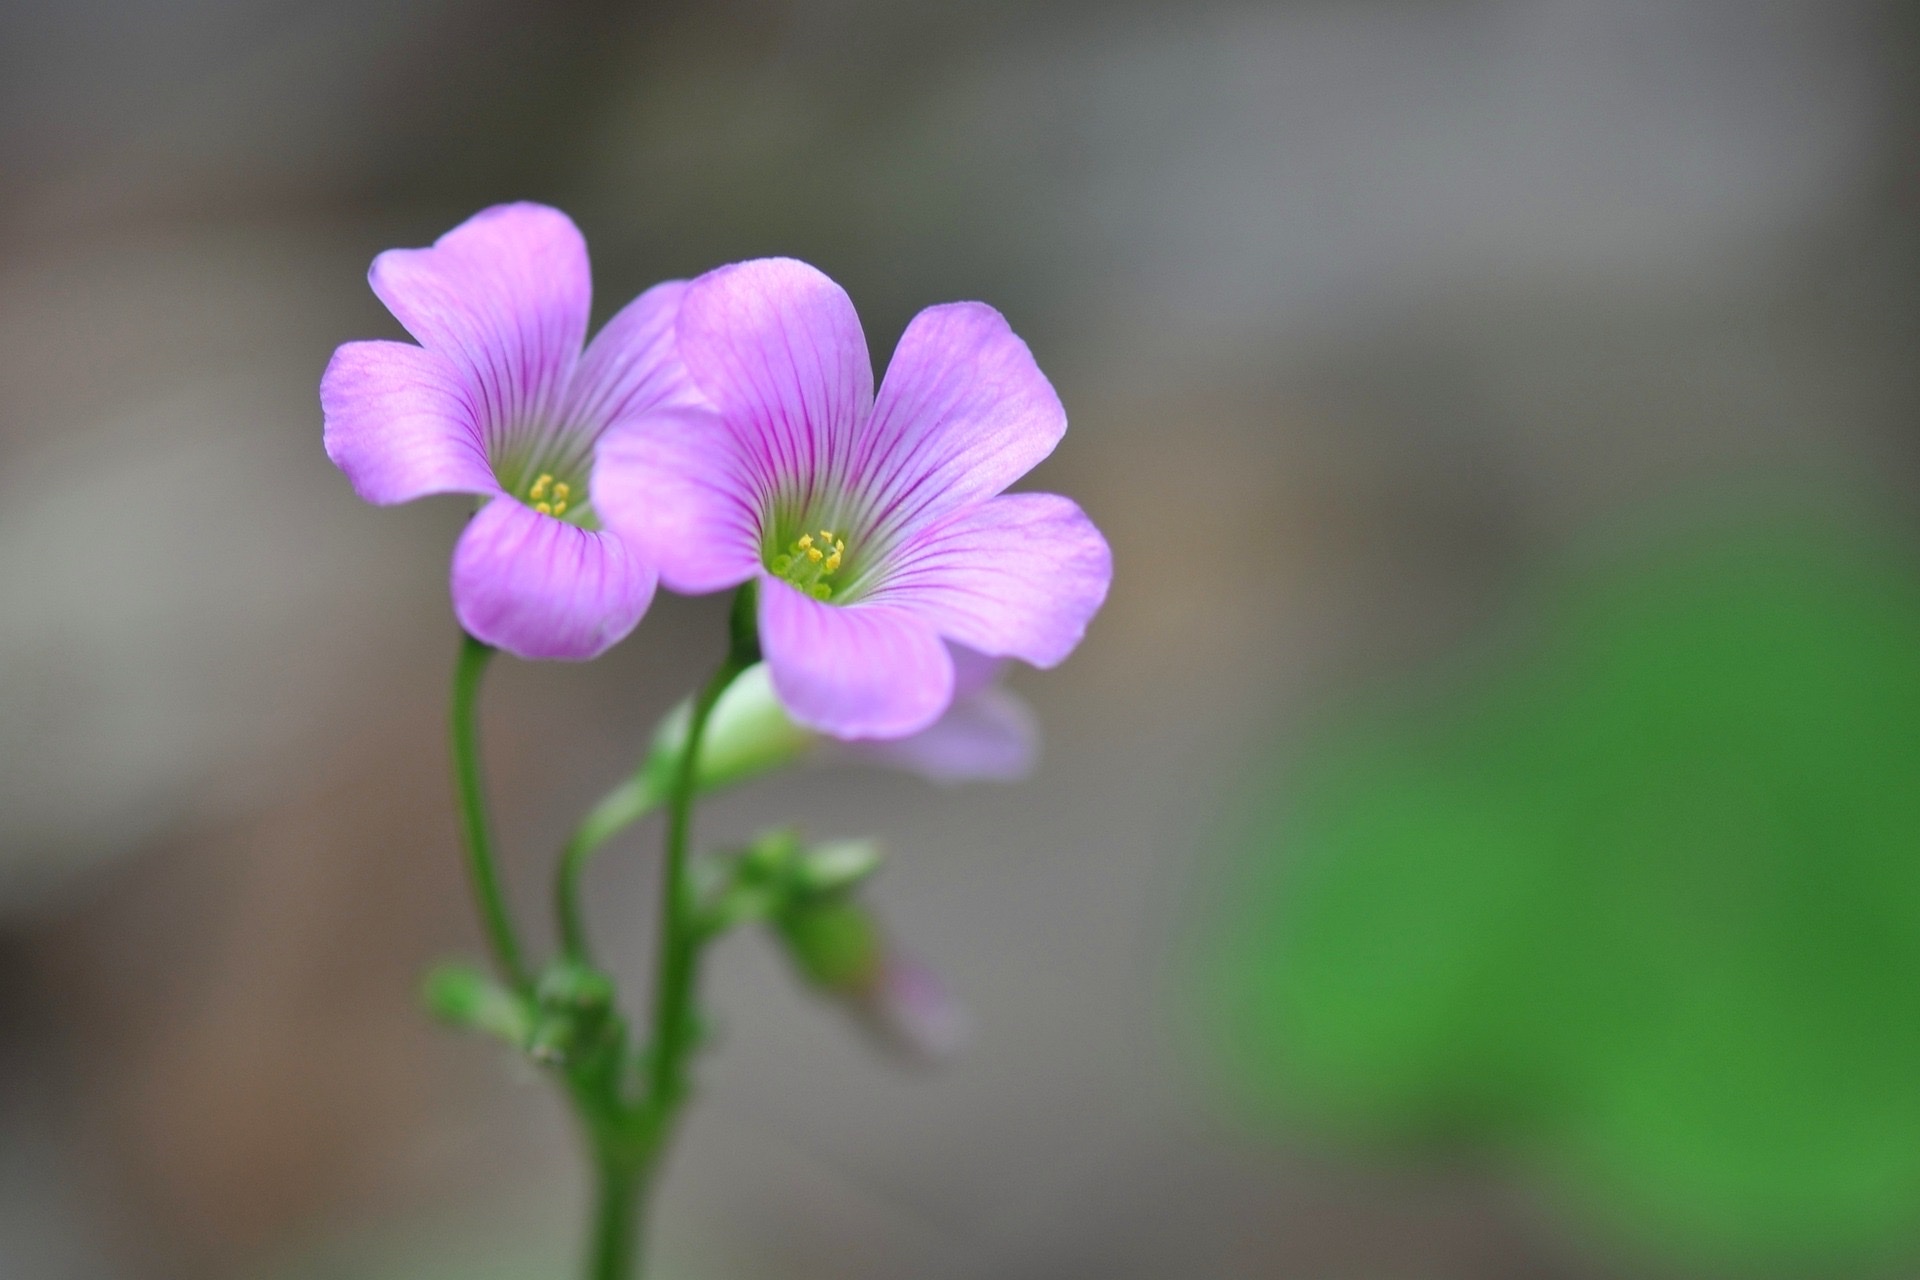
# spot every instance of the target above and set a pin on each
(560, 508)
(544, 508)
(539, 489)
(812, 559)
(560, 491)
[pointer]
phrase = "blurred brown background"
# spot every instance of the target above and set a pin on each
(1358, 307)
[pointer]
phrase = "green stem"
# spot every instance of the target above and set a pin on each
(626, 1137)
(475, 830)
(618, 1211)
(679, 933)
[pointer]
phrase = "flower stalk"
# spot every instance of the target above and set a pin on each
(476, 830)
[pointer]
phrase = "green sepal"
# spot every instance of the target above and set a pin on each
(574, 1020)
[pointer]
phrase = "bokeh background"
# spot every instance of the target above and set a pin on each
(1504, 416)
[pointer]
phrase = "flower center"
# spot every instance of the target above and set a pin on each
(810, 562)
(549, 496)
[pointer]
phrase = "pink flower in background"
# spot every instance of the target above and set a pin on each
(876, 527)
(987, 734)
(500, 401)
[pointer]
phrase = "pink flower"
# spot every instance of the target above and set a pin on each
(876, 527)
(500, 401)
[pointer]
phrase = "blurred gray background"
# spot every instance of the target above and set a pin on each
(1358, 307)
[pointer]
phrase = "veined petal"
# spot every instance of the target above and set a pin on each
(1017, 576)
(853, 671)
(399, 425)
(987, 736)
(676, 485)
(542, 588)
(633, 364)
(963, 413)
(777, 348)
(504, 296)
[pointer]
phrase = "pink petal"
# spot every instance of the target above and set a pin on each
(853, 671)
(777, 348)
(963, 413)
(1017, 576)
(973, 671)
(542, 588)
(633, 364)
(675, 485)
(504, 296)
(398, 424)
(989, 736)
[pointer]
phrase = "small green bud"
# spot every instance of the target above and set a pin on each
(835, 943)
(836, 866)
(553, 1039)
(771, 856)
(576, 989)
(466, 998)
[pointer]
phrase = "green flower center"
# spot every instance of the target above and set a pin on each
(562, 499)
(811, 562)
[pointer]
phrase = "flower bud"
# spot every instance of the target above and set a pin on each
(469, 999)
(841, 950)
(748, 733)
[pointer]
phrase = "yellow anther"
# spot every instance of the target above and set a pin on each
(826, 536)
(560, 508)
(544, 508)
(539, 489)
(560, 490)
(815, 554)
(806, 541)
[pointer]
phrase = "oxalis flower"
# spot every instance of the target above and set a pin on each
(876, 528)
(500, 401)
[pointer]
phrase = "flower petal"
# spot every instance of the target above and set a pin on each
(633, 364)
(504, 296)
(542, 588)
(1017, 576)
(777, 348)
(973, 671)
(853, 671)
(674, 484)
(962, 414)
(398, 424)
(990, 736)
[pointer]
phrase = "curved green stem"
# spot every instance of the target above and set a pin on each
(476, 830)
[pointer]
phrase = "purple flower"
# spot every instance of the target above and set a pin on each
(500, 401)
(876, 527)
